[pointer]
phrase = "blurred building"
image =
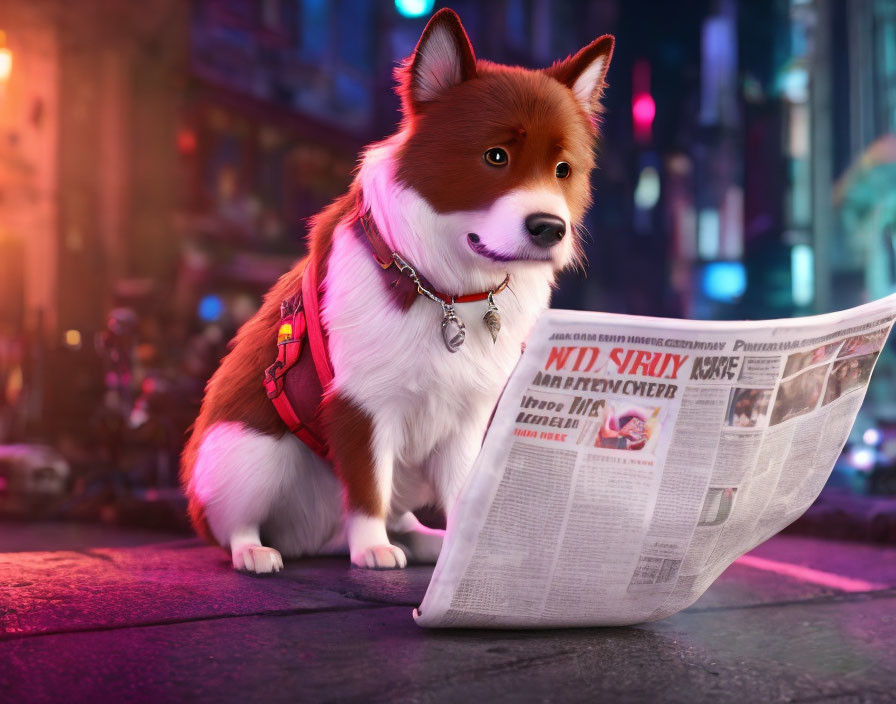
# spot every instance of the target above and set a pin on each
(165, 155)
(88, 179)
(815, 83)
(863, 160)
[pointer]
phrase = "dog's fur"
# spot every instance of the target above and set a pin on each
(404, 417)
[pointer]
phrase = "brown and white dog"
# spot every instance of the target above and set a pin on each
(487, 178)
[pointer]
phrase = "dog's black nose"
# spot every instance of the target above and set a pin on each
(546, 230)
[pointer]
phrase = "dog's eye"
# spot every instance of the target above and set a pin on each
(496, 157)
(562, 170)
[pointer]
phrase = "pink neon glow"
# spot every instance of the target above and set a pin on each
(643, 110)
(807, 574)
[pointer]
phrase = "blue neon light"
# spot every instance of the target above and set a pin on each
(211, 308)
(724, 281)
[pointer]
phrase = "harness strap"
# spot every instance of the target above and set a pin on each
(301, 327)
(299, 322)
(316, 336)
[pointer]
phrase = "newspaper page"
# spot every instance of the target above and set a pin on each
(631, 460)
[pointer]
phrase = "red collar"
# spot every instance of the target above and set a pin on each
(406, 288)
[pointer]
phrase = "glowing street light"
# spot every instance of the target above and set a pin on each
(871, 437)
(5, 59)
(862, 459)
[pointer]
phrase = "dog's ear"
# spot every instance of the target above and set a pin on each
(585, 71)
(443, 58)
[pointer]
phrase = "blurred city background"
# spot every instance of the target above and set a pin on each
(158, 162)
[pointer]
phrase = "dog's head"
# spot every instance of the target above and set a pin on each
(502, 155)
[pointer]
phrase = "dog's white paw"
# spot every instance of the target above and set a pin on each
(380, 557)
(257, 559)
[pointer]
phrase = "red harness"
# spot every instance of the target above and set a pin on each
(298, 379)
(295, 382)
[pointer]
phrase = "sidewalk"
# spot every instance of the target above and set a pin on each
(106, 616)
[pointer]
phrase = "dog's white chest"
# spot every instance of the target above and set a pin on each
(395, 363)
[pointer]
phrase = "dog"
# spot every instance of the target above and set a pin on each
(482, 190)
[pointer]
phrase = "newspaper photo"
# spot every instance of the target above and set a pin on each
(631, 460)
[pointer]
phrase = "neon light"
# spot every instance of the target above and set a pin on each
(73, 339)
(210, 308)
(5, 59)
(724, 281)
(871, 436)
(808, 574)
(5, 65)
(186, 141)
(708, 232)
(793, 82)
(802, 272)
(414, 8)
(643, 110)
(718, 95)
(647, 192)
(731, 245)
(862, 459)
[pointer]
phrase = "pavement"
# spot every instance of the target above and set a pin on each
(91, 614)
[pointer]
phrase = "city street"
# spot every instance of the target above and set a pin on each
(663, 234)
(90, 614)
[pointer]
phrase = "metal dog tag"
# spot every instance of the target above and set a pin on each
(492, 319)
(453, 332)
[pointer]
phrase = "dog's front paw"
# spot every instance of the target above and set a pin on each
(380, 557)
(257, 559)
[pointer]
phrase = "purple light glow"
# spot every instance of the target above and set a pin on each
(807, 574)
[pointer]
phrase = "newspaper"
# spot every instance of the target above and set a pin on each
(631, 460)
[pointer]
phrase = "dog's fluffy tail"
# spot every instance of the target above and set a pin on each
(195, 509)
